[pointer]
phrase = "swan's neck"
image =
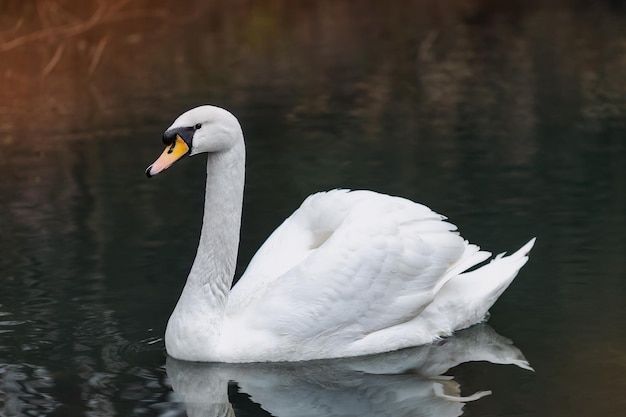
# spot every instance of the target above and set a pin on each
(194, 326)
(214, 266)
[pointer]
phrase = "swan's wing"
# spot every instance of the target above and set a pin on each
(294, 240)
(350, 264)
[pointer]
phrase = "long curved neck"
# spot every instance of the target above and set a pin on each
(194, 326)
(214, 266)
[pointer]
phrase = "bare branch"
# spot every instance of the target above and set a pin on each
(97, 55)
(55, 59)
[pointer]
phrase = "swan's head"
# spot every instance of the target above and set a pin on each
(202, 129)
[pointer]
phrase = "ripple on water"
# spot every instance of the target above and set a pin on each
(25, 390)
(8, 326)
(145, 351)
(49, 350)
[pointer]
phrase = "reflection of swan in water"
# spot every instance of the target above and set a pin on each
(405, 382)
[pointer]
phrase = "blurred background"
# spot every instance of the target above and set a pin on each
(506, 116)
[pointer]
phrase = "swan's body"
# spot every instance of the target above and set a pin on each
(348, 273)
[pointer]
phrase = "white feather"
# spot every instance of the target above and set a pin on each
(348, 273)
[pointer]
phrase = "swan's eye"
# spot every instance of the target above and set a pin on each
(197, 126)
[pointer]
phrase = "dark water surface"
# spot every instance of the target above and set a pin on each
(508, 117)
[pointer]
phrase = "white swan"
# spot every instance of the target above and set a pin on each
(349, 273)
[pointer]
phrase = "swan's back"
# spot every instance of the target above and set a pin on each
(320, 217)
(348, 273)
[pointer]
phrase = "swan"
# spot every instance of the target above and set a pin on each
(349, 273)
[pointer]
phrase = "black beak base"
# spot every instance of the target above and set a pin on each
(186, 134)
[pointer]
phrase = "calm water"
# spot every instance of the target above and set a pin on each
(511, 120)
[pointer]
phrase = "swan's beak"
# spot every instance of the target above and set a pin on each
(171, 154)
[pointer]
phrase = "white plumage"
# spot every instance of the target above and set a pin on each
(348, 273)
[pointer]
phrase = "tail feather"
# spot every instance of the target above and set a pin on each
(471, 257)
(471, 294)
(490, 281)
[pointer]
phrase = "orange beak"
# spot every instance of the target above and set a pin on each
(171, 154)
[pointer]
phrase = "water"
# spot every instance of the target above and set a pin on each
(509, 119)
